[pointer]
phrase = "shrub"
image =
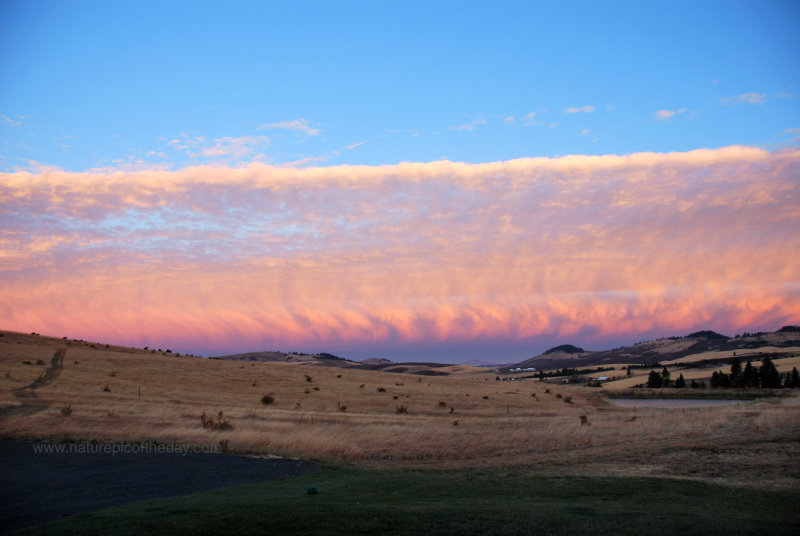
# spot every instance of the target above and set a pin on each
(442, 404)
(568, 400)
(66, 411)
(401, 409)
(267, 400)
(107, 389)
(558, 395)
(486, 397)
(221, 423)
(381, 390)
(342, 408)
(584, 420)
(308, 378)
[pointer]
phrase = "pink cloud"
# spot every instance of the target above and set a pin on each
(598, 247)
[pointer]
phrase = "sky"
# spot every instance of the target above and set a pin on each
(440, 181)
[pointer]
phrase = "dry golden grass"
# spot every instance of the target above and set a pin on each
(352, 415)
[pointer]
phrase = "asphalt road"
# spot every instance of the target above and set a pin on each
(38, 487)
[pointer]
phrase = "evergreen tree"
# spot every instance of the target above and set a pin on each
(681, 382)
(666, 377)
(736, 372)
(750, 375)
(795, 378)
(629, 372)
(720, 379)
(768, 374)
(654, 380)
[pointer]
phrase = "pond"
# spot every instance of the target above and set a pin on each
(675, 402)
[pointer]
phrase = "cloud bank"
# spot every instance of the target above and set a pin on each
(584, 249)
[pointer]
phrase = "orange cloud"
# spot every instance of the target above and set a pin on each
(579, 248)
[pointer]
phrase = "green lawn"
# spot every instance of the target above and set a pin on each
(352, 501)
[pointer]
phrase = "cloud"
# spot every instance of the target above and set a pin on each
(354, 145)
(9, 121)
(530, 120)
(667, 115)
(225, 148)
(469, 127)
(300, 125)
(746, 98)
(581, 249)
(582, 109)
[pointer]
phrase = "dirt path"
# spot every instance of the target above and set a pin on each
(39, 487)
(27, 395)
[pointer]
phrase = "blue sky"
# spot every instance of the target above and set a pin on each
(445, 181)
(134, 84)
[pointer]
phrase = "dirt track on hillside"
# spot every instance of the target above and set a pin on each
(29, 403)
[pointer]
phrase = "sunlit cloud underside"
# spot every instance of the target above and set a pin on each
(585, 249)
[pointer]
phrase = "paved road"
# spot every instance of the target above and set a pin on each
(38, 487)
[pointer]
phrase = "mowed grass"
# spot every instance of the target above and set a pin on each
(386, 502)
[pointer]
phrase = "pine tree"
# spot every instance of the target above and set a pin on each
(666, 377)
(795, 378)
(715, 379)
(654, 380)
(750, 376)
(681, 382)
(736, 372)
(768, 374)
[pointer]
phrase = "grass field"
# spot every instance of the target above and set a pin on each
(352, 501)
(463, 451)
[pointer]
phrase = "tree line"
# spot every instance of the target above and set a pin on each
(765, 376)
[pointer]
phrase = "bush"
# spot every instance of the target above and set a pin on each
(66, 411)
(401, 409)
(442, 404)
(381, 390)
(220, 423)
(267, 400)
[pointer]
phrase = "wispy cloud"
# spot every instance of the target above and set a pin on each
(530, 119)
(746, 98)
(582, 109)
(579, 248)
(668, 115)
(300, 125)
(9, 121)
(225, 148)
(469, 127)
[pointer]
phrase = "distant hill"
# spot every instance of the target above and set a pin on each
(659, 350)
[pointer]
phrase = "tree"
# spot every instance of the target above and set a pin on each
(629, 374)
(666, 377)
(680, 383)
(768, 374)
(654, 380)
(720, 379)
(795, 378)
(736, 372)
(750, 375)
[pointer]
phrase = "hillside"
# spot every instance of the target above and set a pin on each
(785, 340)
